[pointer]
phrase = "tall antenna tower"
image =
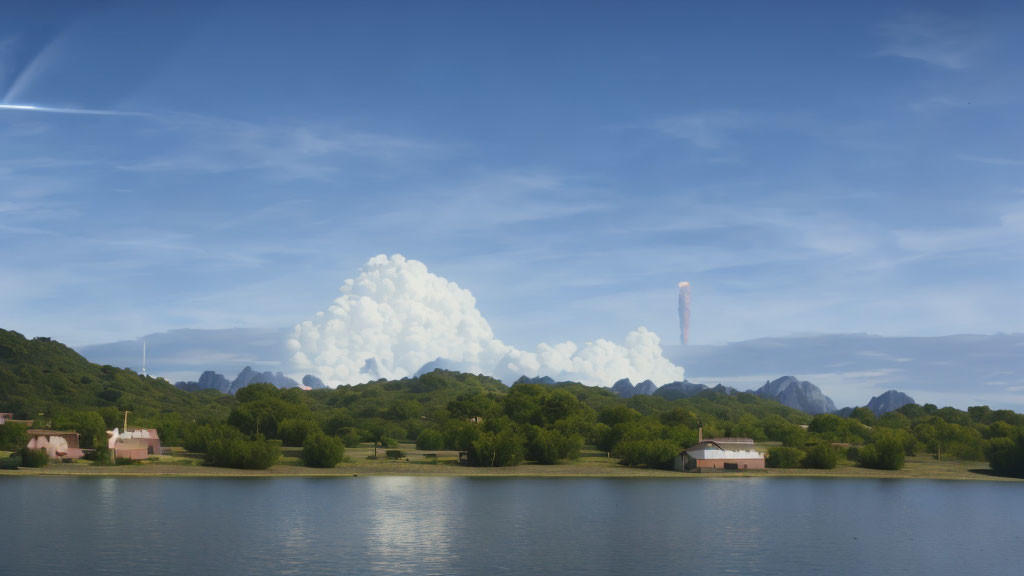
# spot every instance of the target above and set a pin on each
(143, 357)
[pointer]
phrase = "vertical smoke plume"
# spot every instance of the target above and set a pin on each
(684, 311)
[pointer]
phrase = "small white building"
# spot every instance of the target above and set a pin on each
(720, 454)
(136, 444)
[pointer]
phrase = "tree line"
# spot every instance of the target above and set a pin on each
(496, 425)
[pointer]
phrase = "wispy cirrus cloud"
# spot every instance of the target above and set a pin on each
(928, 40)
(69, 110)
(705, 130)
(203, 144)
(1002, 238)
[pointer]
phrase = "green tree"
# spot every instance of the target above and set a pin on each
(505, 448)
(460, 434)
(784, 457)
(91, 428)
(229, 448)
(322, 451)
(430, 439)
(864, 415)
(473, 405)
(523, 403)
(13, 436)
(652, 452)
(294, 431)
(618, 414)
(561, 405)
(336, 421)
(831, 428)
(351, 437)
(679, 417)
(549, 446)
(1006, 456)
(886, 453)
(895, 420)
(822, 456)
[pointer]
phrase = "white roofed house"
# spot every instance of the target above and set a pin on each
(136, 443)
(720, 454)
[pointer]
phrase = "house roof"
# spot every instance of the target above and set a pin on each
(731, 440)
(728, 444)
(52, 433)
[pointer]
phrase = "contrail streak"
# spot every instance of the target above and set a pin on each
(684, 312)
(57, 110)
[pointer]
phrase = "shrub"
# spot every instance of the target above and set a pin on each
(652, 453)
(822, 456)
(460, 435)
(853, 453)
(504, 448)
(550, 446)
(886, 453)
(322, 451)
(13, 436)
(294, 431)
(351, 438)
(198, 438)
(784, 457)
(100, 456)
(34, 458)
(1006, 457)
(394, 454)
(235, 450)
(430, 439)
(11, 462)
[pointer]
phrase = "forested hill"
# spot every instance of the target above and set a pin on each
(543, 422)
(44, 376)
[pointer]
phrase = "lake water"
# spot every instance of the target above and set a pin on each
(494, 526)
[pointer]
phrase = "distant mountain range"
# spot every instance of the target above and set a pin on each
(787, 390)
(889, 401)
(960, 370)
(798, 394)
(851, 367)
(211, 380)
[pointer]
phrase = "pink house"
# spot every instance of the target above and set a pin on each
(57, 443)
(136, 444)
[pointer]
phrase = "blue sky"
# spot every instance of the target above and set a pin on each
(808, 168)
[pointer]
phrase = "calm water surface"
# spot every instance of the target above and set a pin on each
(397, 525)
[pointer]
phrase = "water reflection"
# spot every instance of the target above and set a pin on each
(411, 526)
(473, 526)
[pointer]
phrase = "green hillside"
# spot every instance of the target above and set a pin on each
(44, 376)
(497, 425)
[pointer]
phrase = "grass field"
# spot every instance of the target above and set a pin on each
(590, 464)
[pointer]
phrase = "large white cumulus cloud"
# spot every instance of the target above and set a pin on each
(396, 316)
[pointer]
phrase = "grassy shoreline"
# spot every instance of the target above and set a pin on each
(590, 465)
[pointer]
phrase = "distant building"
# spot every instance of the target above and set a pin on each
(6, 417)
(720, 454)
(137, 443)
(57, 443)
